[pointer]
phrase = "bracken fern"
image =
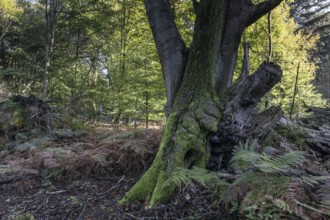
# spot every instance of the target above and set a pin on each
(184, 177)
(274, 185)
(267, 187)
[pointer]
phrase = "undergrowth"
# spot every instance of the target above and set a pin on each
(265, 186)
(119, 153)
(293, 134)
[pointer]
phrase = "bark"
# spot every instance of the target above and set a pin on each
(171, 49)
(319, 140)
(311, 132)
(240, 119)
(238, 15)
(194, 115)
(192, 85)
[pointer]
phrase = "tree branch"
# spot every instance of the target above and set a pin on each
(171, 48)
(246, 94)
(257, 11)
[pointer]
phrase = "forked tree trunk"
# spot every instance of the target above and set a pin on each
(196, 112)
(193, 116)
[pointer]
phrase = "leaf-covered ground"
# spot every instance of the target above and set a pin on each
(75, 175)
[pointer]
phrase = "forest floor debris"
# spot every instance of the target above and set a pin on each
(84, 177)
(74, 174)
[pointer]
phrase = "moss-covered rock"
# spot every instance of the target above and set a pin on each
(24, 114)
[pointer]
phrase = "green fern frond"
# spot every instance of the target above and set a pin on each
(307, 206)
(281, 204)
(184, 177)
(279, 164)
(287, 161)
(245, 158)
(286, 207)
(313, 180)
(243, 154)
(325, 206)
(247, 177)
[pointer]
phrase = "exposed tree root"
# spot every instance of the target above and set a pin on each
(183, 145)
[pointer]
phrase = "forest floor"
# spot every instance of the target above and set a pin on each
(83, 175)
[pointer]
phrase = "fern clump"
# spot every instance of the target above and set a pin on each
(265, 186)
(272, 186)
(185, 177)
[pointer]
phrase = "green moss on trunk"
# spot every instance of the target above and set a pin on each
(195, 113)
(183, 145)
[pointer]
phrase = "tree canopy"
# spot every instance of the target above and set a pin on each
(103, 56)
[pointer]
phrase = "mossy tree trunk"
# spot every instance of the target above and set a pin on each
(191, 80)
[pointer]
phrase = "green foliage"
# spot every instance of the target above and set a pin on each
(267, 187)
(290, 49)
(104, 64)
(272, 186)
(294, 134)
(313, 17)
(184, 177)
(246, 155)
(22, 51)
(76, 124)
(184, 19)
(9, 13)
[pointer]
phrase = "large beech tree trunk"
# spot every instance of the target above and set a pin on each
(193, 81)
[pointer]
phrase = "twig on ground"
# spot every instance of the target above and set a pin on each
(55, 192)
(83, 209)
(113, 187)
(133, 216)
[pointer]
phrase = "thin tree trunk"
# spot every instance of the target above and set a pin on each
(3, 55)
(123, 44)
(146, 96)
(245, 72)
(270, 37)
(47, 61)
(295, 91)
(51, 11)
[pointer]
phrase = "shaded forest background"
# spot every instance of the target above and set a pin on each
(96, 60)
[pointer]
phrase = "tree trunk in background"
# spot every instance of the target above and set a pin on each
(192, 82)
(146, 96)
(295, 91)
(51, 11)
(270, 37)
